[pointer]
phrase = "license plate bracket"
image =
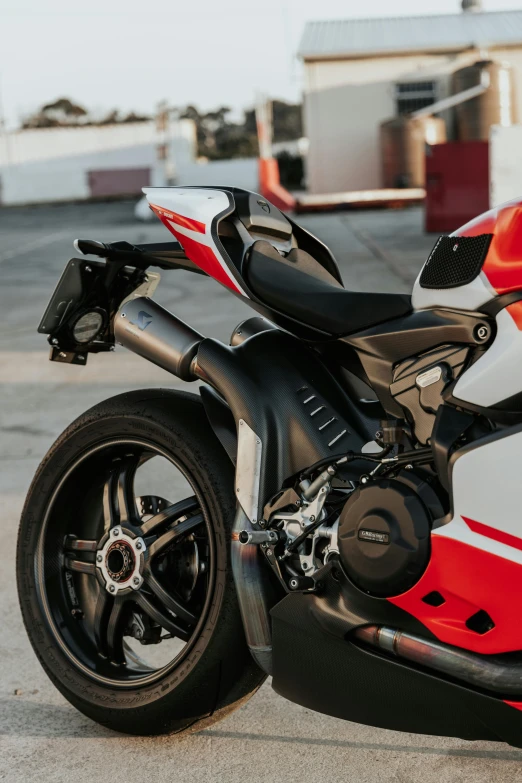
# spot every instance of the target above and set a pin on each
(79, 281)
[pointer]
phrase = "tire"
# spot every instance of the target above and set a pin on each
(216, 673)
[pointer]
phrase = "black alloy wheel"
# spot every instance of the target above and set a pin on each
(129, 567)
(123, 567)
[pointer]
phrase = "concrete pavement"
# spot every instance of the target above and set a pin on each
(42, 738)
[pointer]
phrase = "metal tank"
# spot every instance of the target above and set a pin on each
(403, 149)
(496, 106)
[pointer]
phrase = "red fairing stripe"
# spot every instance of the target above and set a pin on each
(206, 259)
(469, 579)
(492, 532)
(516, 704)
(201, 255)
(181, 220)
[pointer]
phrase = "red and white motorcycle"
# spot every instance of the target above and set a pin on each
(345, 510)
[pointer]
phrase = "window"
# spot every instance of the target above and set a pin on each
(411, 96)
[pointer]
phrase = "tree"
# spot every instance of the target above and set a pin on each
(63, 113)
(218, 137)
(287, 121)
(60, 112)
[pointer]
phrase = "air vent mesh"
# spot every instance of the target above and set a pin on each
(455, 261)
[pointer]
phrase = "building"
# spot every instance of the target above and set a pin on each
(360, 73)
(83, 162)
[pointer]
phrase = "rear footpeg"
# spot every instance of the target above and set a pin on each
(258, 537)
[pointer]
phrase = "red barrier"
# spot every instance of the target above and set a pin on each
(270, 185)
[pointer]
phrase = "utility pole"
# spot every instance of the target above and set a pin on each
(264, 126)
(164, 117)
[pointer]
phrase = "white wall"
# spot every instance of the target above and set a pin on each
(342, 124)
(505, 164)
(48, 144)
(346, 101)
(35, 182)
(53, 164)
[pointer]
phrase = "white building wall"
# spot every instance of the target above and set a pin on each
(48, 144)
(514, 57)
(53, 164)
(505, 164)
(342, 124)
(346, 101)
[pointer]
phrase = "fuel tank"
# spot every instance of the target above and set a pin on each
(479, 261)
(474, 266)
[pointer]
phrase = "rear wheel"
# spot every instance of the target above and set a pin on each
(123, 567)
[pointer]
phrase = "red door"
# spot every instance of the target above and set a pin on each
(118, 182)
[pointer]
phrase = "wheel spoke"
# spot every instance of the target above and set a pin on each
(169, 515)
(115, 631)
(108, 626)
(126, 499)
(101, 618)
(160, 617)
(79, 545)
(110, 498)
(78, 565)
(168, 600)
(174, 533)
(119, 504)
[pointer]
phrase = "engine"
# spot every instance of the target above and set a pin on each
(384, 533)
(377, 529)
(374, 523)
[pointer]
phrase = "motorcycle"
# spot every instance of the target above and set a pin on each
(341, 510)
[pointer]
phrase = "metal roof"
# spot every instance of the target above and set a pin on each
(365, 37)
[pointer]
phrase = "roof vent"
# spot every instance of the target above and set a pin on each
(471, 5)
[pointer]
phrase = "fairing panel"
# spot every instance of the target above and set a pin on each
(476, 559)
(192, 215)
(502, 269)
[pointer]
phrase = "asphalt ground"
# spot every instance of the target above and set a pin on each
(43, 738)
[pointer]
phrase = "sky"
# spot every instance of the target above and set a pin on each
(130, 54)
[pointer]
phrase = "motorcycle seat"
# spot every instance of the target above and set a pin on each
(299, 286)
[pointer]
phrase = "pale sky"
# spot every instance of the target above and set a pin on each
(130, 54)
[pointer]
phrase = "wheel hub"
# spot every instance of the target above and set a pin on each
(120, 561)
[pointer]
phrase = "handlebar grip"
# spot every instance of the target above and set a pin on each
(90, 247)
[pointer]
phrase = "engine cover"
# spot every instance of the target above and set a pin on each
(384, 534)
(418, 384)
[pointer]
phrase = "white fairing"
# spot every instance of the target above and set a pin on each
(497, 375)
(464, 297)
(195, 204)
(486, 489)
(199, 204)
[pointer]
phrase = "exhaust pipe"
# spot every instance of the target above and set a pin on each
(150, 331)
(486, 672)
(249, 328)
(252, 592)
(147, 329)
